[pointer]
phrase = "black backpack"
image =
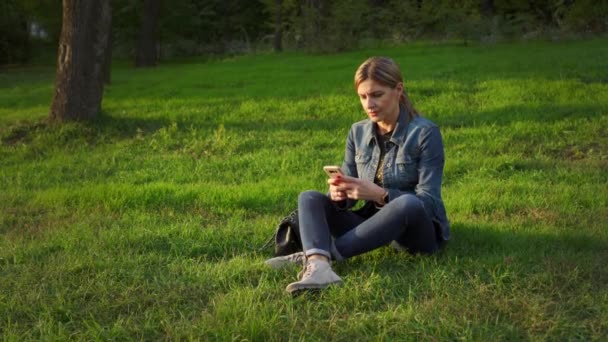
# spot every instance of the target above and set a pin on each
(286, 237)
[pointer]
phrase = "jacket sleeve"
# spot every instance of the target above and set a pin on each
(349, 166)
(430, 168)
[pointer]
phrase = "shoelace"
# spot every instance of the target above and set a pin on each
(296, 257)
(309, 268)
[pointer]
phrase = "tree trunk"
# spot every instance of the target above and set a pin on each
(313, 17)
(80, 61)
(147, 52)
(107, 62)
(278, 26)
(487, 8)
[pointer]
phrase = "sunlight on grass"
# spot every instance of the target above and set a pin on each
(146, 224)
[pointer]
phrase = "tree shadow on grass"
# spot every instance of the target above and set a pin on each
(127, 127)
(454, 120)
(111, 127)
(479, 241)
(512, 114)
(484, 247)
(103, 127)
(482, 268)
(108, 125)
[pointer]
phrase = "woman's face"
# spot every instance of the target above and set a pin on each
(380, 102)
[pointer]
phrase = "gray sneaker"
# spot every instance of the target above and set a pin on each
(317, 275)
(286, 260)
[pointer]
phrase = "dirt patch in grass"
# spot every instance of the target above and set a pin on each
(28, 221)
(21, 132)
(579, 152)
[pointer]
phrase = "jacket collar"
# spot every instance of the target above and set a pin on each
(399, 133)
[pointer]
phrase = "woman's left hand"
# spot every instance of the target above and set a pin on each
(360, 189)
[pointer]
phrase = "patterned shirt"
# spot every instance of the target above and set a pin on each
(384, 144)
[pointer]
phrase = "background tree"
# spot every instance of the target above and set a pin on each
(14, 33)
(148, 31)
(146, 54)
(107, 58)
(348, 24)
(80, 73)
(277, 40)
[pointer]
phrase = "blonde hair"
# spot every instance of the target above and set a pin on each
(386, 72)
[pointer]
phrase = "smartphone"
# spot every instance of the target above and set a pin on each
(332, 170)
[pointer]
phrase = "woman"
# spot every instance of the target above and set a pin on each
(394, 161)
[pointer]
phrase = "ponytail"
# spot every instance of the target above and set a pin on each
(405, 101)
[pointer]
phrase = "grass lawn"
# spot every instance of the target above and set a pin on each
(145, 224)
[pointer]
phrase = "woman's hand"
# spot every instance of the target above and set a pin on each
(355, 188)
(335, 194)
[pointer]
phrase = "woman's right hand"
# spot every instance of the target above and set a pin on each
(335, 194)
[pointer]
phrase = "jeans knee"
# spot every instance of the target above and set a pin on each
(310, 196)
(408, 203)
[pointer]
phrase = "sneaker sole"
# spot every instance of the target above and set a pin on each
(310, 287)
(280, 266)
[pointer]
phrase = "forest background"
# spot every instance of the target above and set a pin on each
(30, 29)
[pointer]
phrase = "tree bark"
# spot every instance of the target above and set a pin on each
(487, 8)
(147, 51)
(80, 61)
(107, 62)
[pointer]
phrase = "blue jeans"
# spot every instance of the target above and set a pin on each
(328, 230)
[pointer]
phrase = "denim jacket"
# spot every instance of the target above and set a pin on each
(413, 163)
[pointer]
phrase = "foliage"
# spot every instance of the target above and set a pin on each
(190, 27)
(145, 224)
(47, 14)
(584, 16)
(14, 33)
(195, 27)
(346, 25)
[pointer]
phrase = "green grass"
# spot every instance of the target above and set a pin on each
(146, 223)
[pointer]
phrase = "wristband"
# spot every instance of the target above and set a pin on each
(383, 199)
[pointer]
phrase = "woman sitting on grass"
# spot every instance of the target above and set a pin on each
(394, 161)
